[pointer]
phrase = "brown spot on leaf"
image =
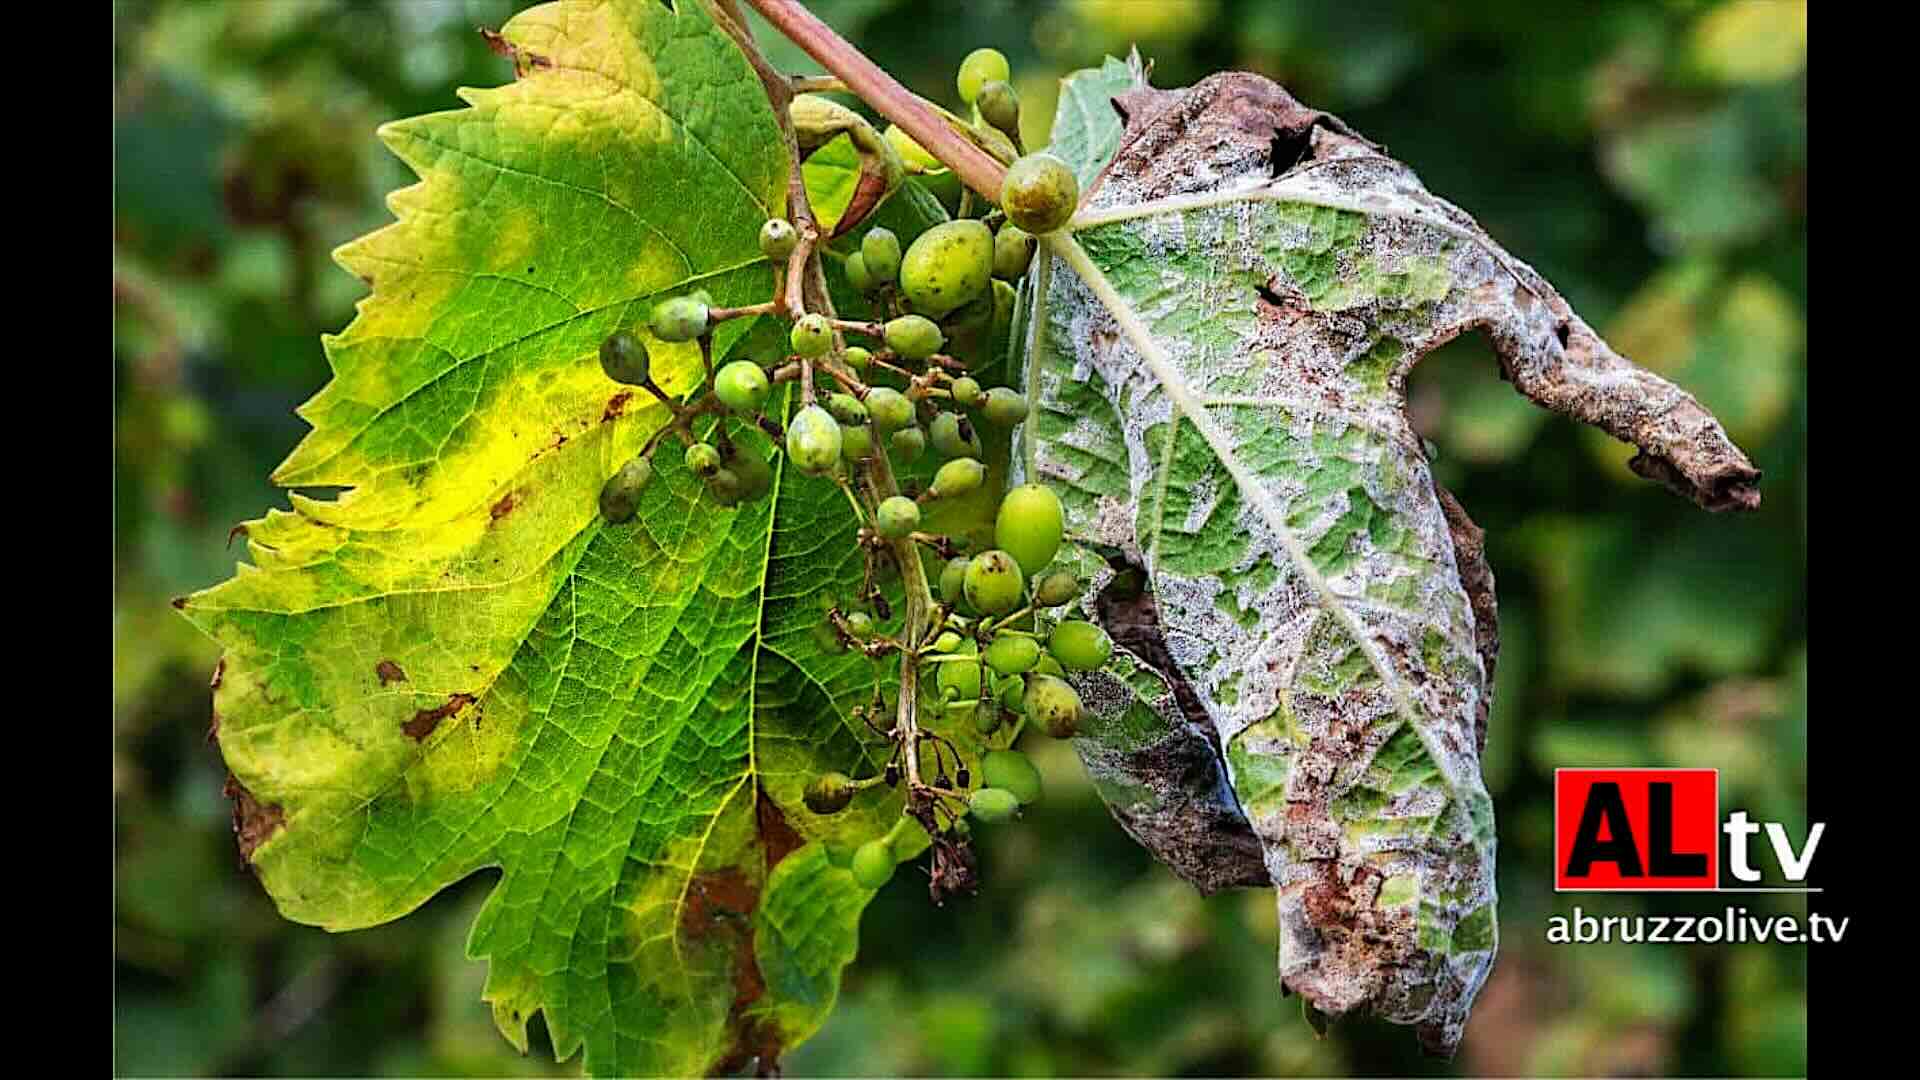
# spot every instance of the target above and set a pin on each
(253, 822)
(426, 720)
(237, 530)
(179, 602)
(717, 900)
(778, 837)
(213, 729)
(523, 60)
(616, 407)
(503, 507)
(219, 673)
(389, 672)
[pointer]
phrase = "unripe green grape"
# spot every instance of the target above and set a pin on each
(947, 442)
(957, 477)
(856, 442)
(994, 805)
(1011, 770)
(881, 249)
(1079, 645)
(624, 358)
(681, 318)
(857, 273)
(994, 584)
(858, 358)
(1029, 526)
(755, 475)
(813, 441)
(1013, 693)
(999, 106)
(911, 153)
(960, 678)
(981, 67)
(829, 793)
(742, 386)
(1055, 589)
(846, 408)
(1013, 249)
(953, 581)
(1013, 654)
(1004, 406)
(725, 487)
(872, 864)
(1039, 193)
(948, 641)
(965, 390)
(908, 444)
(778, 238)
(1049, 666)
(1053, 704)
(947, 266)
(812, 335)
(896, 516)
(703, 460)
(620, 495)
(888, 409)
(914, 337)
(859, 624)
(1004, 298)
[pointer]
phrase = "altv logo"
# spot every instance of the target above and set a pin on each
(1643, 830)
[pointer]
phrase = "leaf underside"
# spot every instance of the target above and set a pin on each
(1216, 362)
(457, 665)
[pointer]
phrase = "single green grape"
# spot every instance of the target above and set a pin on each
(994, 805)
(981, 67)
(1012, 771)
(1013, 654)
(960, 679)
(896, 517)
(908, 444)
(1029, 526)
(856, 442)
(881, 249)
(888, 409)
(857, 273)
(1079, 645)
(966, 391)
(742, 386)
(953, 582)
(829, 793)
(948, 641)
(624, 358)
(703, 460)
(681, 318)
(813, 441)
(1004, 406)
(999, 106)
(914, 337)
(1013, 249)
(620, 495)
(778, 239)
(947, 266)
(1057, 588)
(812, 335)
(1039, 193)
(859, 624)
(872, 864)
(945, 434)
(846, 408)
(1054, 704)
(994, 584)
(957, 477)
(858, 358)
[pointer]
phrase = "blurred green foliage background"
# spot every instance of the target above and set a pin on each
(1649, 158)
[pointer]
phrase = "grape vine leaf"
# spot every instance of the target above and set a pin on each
(1215, 357)
(457, 665)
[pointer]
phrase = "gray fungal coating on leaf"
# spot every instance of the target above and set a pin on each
(1217, 393)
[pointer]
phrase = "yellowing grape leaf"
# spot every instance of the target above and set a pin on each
(457, 665)
(1216, 355)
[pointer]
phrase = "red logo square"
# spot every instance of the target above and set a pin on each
(1634, 830)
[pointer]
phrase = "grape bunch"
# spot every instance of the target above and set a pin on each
(969, 642)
